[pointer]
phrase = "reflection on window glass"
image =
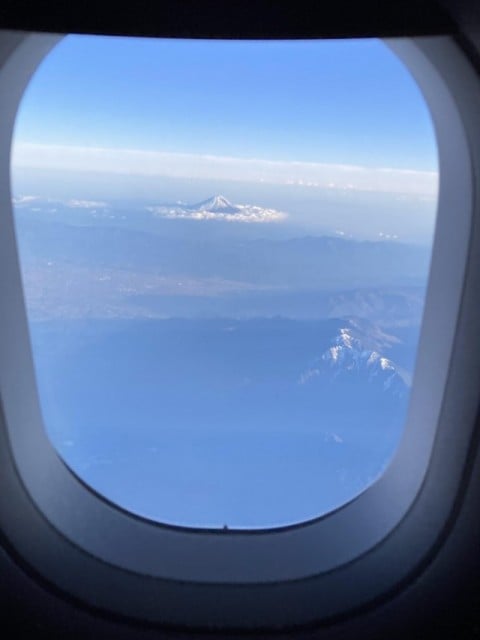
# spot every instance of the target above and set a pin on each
(225, 249)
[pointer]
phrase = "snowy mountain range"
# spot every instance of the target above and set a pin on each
(218, 208)
(353, 357)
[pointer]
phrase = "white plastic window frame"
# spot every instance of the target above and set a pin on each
(111, 560)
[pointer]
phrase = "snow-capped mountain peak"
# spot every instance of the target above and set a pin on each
(215, 204)
(349, 358)
(349, 354)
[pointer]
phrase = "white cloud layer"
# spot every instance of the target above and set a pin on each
(85, 204)
(422, 184)
(28, 200)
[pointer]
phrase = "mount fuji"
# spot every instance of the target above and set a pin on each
(218, 208)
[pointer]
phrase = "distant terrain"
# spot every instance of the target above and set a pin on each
(77, 265)
(182, 363)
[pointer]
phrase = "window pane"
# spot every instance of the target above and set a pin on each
(225, 250)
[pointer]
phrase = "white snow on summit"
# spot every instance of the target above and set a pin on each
(351, 354)
(218, 208)
(217, 204)
(348, 353)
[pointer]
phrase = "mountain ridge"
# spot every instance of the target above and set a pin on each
(355, 354)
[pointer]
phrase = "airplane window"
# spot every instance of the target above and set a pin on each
(225, 249)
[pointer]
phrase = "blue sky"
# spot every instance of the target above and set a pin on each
(336, 114)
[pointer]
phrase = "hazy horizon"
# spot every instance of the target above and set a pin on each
(335, 133)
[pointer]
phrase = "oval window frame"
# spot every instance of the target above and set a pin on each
(239, 578)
